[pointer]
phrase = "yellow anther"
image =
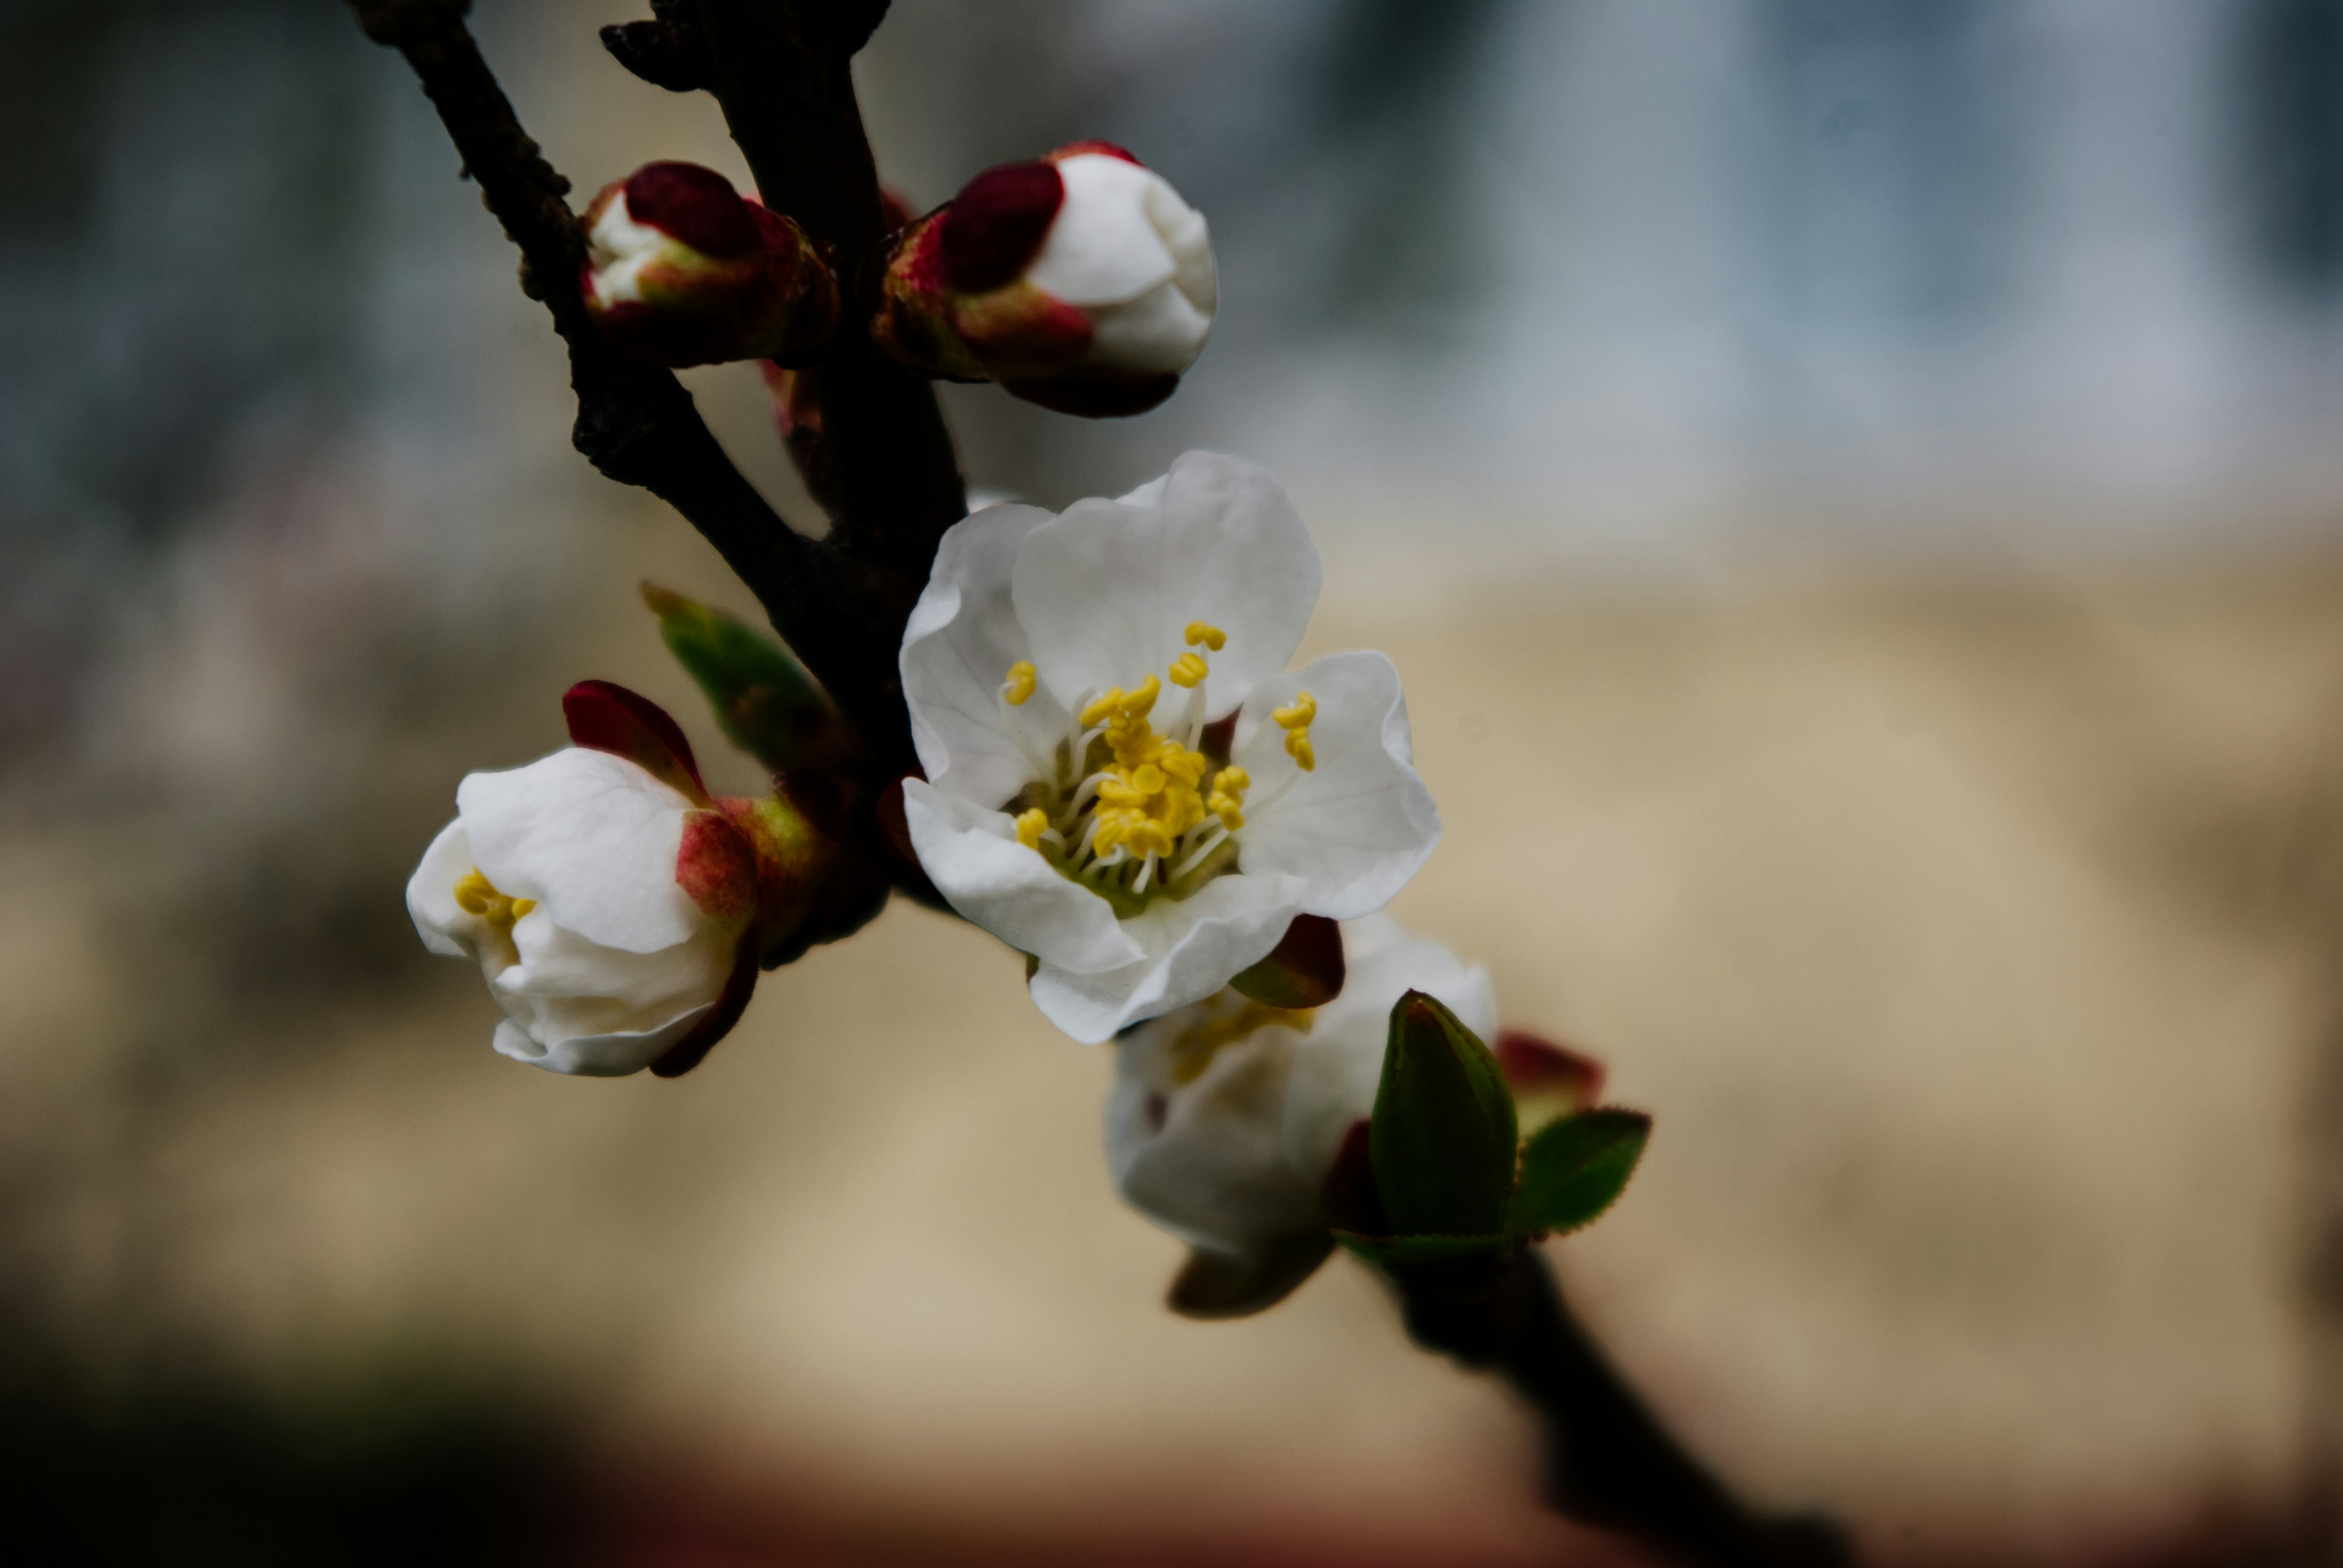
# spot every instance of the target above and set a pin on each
(1031, 824)
(476, 895)
(1138, 704)
(1227, 799)
(1190, 670)
(1209, 636)
(1107, 703)
(1295, 722)
(1020, 685)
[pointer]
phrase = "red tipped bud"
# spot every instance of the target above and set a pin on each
(680, 270)
(1079, 281)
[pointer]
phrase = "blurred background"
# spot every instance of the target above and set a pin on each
(1855, 489)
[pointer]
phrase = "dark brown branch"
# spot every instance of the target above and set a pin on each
(783, 72)
(635, 423)
(1609, 1461)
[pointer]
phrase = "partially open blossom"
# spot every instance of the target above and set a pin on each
(615, 907)
(1079, 281)
(1226, 1116)
(1123, 779)
(680, 270)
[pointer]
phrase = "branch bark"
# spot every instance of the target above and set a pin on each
(635, 423)
(1609, 1463)
(783, 75)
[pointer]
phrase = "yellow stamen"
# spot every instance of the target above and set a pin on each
(1209, 636)
(1189, 670)
(1227, 800)
(1020, 685)
(1295, 722)
(476, 895)
(1031, 824)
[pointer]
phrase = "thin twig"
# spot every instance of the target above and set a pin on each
(1608, 1462)
(635, 423)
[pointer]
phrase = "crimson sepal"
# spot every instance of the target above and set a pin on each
(1211, 1286)
(604, 716)
(1538, 1069)
(692, 1049)
(717, 865)
(1305, 970)
(995, 227)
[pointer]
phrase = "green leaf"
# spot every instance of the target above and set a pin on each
(1442, 1137)
(1577, 1167)
(765, 701)
(1418, 1249)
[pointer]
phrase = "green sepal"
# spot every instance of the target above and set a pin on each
(1444, 1137)
(1392, 1249)
(1576, 1168)
(766, 701)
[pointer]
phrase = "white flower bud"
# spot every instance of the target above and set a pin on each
(1080, 281)
(1226, 1116)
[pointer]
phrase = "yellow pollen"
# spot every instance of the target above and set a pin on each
(1189, 670)
(476, 895)
(1208, 636)
(1295, 722)
(1193, 1049)
(1031, 824)
(1020, 685)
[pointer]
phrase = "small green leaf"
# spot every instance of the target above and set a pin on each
(1577, 1167)
(765, 701)
(1418, 1249)
(1443, 1136)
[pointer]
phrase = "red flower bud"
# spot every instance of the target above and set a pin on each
(680, 270)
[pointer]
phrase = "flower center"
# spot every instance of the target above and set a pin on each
(1132, 813)
(476, 895)
(1221, 1025)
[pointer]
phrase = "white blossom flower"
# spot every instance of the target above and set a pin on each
(1226, 1116)
(1071, 682)
(1080, 281)
(610, 906)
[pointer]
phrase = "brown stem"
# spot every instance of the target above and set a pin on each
(783, 74)
(635, 423)
(1609, 1463)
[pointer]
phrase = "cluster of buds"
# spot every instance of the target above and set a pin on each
(681, 270)
(1079, 281)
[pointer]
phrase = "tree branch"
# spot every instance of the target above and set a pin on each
(635, 423)
(1609, 1461)
(783, 75)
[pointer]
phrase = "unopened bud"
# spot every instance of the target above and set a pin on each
(680, 270)
(1080, 281)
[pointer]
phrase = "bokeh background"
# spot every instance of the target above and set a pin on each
(1855, 489)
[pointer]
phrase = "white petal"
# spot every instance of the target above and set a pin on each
(1103, 245)
(565, 985)
(1189, 947)
(1158, 334)
(1206, 1159)
(1106, 591)
(1189, 240)
(1338, 1065)
(973, 856)
(597, 1055)
(591, 837)
(962, 640)
(445, 928)
(1356, 829)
